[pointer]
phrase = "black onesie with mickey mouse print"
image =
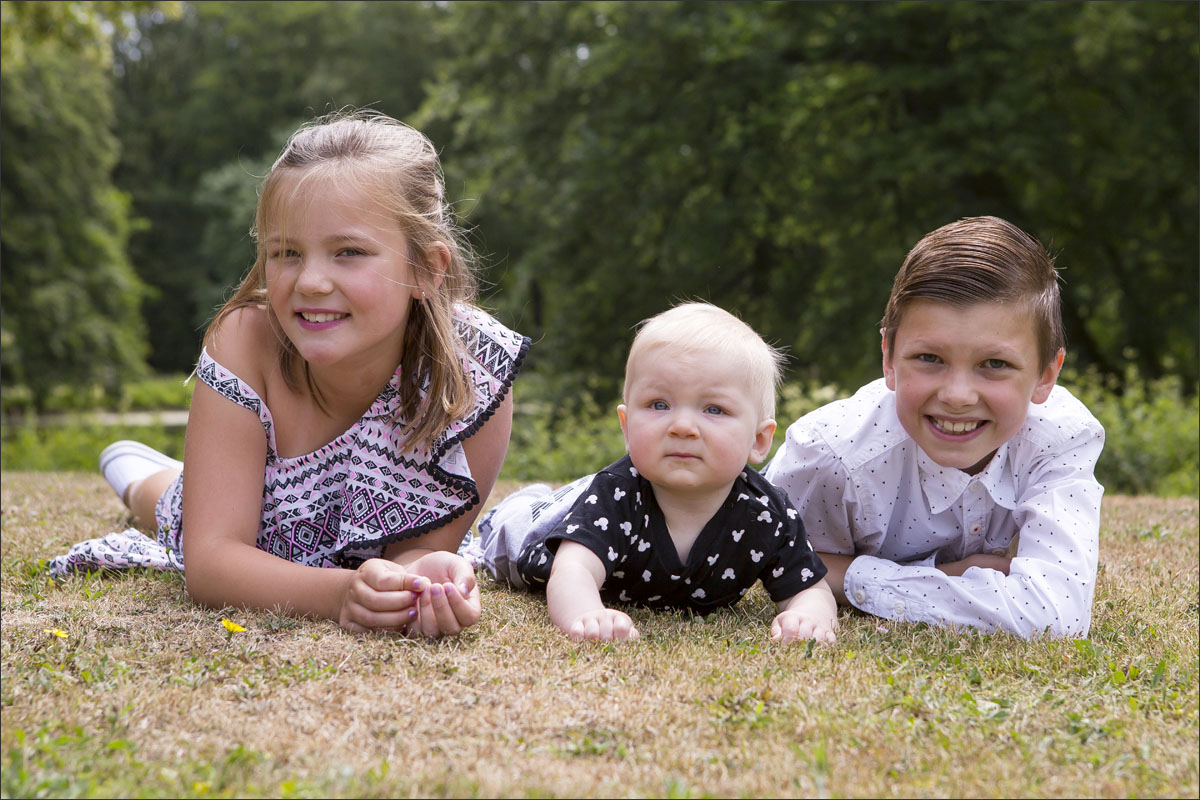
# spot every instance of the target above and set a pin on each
(756, 534)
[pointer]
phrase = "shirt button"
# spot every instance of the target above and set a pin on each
(975, 487)
(975, 528)
(860, 596)
(899, 609)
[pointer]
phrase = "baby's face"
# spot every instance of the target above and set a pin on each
(964, 378)
(691, 421)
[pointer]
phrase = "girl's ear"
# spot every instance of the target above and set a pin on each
(439, 263)
(1049, 376)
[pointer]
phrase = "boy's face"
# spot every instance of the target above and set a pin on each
(691, 422)
(964, 378)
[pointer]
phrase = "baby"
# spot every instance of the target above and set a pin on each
(681, 522)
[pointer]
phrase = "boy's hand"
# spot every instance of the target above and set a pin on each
(983, 560)
(603, 625)
(795, 625)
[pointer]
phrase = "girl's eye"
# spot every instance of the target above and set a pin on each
(284, 254)
(350, 251)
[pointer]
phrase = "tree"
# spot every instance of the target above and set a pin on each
(69, 296)
(780, 158)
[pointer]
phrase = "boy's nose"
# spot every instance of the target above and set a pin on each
(683, 423)
(958, 391)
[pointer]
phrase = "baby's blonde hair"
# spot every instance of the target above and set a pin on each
(397, 167)
(698, 327)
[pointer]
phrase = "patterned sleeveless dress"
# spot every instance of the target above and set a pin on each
(346, 501)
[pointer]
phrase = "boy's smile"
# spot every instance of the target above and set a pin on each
(964, 378)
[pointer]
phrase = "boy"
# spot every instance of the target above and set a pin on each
(681, 521)
(914, 489)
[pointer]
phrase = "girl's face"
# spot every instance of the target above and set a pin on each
(340, 283)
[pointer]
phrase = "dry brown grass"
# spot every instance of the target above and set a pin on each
(148, 695)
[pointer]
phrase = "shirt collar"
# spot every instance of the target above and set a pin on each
(944, 486)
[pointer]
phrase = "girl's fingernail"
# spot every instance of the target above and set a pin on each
(465, 591)
(437, 590)
(419, 585)
(412, 612)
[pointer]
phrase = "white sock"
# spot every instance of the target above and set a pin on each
(124, 462)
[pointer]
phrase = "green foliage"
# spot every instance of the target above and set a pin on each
(70, 297)
(77, 446)
(780, 159)
(153, 393)
(1151, 432)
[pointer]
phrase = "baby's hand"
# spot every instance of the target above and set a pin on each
(381, 595)
(794, 625)
(604, 625)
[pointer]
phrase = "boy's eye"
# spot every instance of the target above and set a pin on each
(995, 363)
(657, 405)
(714, 410)
(927, 358)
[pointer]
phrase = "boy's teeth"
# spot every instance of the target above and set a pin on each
(320, 317)
(947, 426)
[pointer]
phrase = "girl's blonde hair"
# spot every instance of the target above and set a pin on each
(698, 327)
(398, 167)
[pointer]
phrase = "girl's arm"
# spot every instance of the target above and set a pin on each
(808, 614)
(452, 602)
(573, 597)
(224, 458)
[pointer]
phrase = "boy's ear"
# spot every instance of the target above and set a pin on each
(762, 441)
(889, 372)
(624, 430)
(1049, 376)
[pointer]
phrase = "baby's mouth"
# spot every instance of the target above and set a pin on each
(956, 428)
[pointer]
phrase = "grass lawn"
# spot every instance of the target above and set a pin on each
(145, 694)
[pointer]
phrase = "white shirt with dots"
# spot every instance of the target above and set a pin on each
(863, 487)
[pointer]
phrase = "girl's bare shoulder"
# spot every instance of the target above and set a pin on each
(244, 342)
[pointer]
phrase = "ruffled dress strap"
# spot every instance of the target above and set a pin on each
(235, 390)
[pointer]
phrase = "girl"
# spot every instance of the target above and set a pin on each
(353, 380)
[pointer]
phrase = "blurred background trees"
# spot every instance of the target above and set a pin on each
(610, 158)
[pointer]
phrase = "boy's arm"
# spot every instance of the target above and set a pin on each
(573, 597)
(808, 614)
(1049, 583)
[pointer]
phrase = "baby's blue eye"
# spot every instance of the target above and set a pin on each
(714, 410)
(658, 405)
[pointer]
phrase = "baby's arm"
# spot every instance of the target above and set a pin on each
(573, 597)
(808, 614)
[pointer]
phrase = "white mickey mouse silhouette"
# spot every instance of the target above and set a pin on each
(618, 493)
(764, 516)
(572, 528)
(806, 573)
(743, 496)
(652, 599)
(618, 574)
(591, 498)
(713, 558)
(602, 523)
(699, 593)
(764, 500)
(775, 573)
(627, 527)
(643, 546)
(728, 574)
(791, 512)
(543, 558)
(755, 556)
(646, 576)
(624, 598)
(737, 535)
(633, 471)
(778, 528)
(612, 554)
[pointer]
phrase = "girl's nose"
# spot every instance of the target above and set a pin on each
(312, 278)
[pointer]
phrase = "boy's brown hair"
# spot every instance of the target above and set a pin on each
(981, 260)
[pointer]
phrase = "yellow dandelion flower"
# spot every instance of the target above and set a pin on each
(59, 632)
(232, 626)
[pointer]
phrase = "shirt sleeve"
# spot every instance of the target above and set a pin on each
(819, 487)
(595, 520)
(1051, 580)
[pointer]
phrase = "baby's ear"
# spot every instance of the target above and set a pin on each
(762, 441)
